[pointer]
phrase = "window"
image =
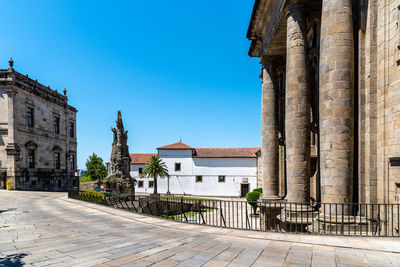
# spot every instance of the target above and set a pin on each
(140, 171)
(56, 125)
(221, 179)
(140, 184)
(177, 167)
(72, 162)
(151, 184)
(29, 117)
(71, 130)
(31, 158)
(57, 160)
(199, 179)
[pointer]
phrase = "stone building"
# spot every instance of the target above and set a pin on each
(330, 99)
(37, 135)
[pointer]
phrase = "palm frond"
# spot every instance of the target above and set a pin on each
(155, 168)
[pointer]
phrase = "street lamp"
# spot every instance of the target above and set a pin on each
(168, 192)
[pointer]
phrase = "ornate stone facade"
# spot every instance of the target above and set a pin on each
(341, 137)
(37, 135)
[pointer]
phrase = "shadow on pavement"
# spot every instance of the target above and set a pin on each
(12, 260)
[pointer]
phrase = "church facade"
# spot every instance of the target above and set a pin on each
(330, 99)
(37, 135)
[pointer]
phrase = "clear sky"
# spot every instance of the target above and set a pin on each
(176, 69)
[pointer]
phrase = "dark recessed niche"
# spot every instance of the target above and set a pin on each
(394, 162)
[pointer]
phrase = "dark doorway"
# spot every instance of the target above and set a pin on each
(3, 180)
(244, 189)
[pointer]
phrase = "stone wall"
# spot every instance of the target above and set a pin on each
(17, 94)
(3, 126)
(379, 105)
(43, 131)
(368, 175)
(87, 186)
(375, 77)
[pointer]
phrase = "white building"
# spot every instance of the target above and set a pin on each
(201, 171)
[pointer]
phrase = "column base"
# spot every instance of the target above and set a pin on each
(296, 218)
(272, 198)
(347, 225)
(269, 211)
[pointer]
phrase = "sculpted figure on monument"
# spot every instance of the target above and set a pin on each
(119, 177)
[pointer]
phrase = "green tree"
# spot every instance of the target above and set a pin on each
(95, 168)
(155, 168)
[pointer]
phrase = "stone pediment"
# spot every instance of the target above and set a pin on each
(31, 145)
(57, 149)
(71, 152)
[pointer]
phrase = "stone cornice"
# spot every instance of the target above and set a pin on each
(264, 22)
(11, 77)
(273, 23)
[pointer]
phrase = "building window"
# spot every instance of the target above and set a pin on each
(199, 179)
(72, 162)
(177, 167)
(57, 160)
(29, 117)
(151, 184)
(140, 184)
(140, 171)
(31, 158)
(71, 130)
(56, 125)
(221, 179)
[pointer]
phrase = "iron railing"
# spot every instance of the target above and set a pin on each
(307, 218)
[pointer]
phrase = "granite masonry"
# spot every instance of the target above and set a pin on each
(336, 105)
(37, 135)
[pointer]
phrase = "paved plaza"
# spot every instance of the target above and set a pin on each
(48, 229)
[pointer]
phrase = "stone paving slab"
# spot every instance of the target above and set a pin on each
(48, 229)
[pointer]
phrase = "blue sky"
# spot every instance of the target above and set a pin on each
(176, 69)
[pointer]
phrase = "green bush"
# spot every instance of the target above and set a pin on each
(252, 196)
(93, 196)
(85, 179)
(258, 190)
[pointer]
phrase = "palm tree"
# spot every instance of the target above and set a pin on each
(155, 168)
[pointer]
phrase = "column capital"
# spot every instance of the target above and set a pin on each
(295, 5)
(273, 64)
(272, 60)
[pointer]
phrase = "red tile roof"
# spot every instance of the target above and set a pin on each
(247, 152)
(176, 146)
(141, 158)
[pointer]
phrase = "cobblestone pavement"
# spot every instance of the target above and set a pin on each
(40, 229)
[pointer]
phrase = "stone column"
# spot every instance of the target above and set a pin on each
(12, 148)
(269, 132)
(297, 102)
(336, 101)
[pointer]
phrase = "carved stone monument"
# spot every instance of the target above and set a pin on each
(120, 179)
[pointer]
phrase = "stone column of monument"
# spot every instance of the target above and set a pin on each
(297, 102)
(269, 132)
(336, 87)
